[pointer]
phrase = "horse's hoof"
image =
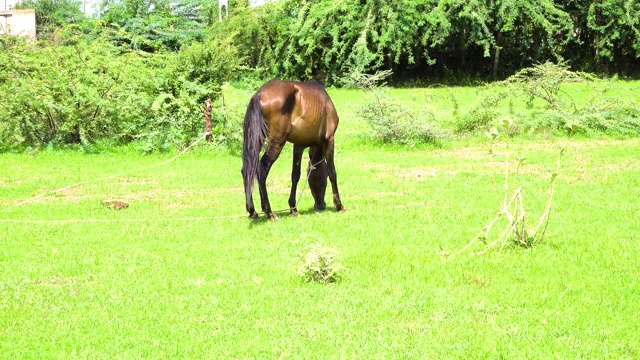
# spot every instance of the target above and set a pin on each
(342, 209)
(294, 212)
(253, 215)
(273, 217)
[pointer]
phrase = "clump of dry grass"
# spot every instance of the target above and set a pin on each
(321, 264)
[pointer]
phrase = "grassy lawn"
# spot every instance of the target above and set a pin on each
(183, 273)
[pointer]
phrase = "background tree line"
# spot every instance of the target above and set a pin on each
(422, 39)
(416, 39)
(140, 70)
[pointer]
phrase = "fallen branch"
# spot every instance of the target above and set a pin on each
(514, 211)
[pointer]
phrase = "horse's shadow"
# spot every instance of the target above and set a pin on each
(264, 219)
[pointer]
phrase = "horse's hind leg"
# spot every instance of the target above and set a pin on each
(332, 176)
(295, 177)
(317, 176)
(269, 157)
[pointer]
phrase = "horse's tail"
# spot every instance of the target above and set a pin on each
(255, 132)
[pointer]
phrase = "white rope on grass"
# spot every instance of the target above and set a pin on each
(71, 221)
(105, 178)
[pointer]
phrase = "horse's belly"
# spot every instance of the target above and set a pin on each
(305, 133)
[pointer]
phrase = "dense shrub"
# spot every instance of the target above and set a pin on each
(390, 119)
(82, 92)
(68, 94)
(548, 106)
(393, 121)
(194, 74)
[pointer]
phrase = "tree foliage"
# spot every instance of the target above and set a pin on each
(85, 91)
(414, 39)
(66, 94)
(615, 24)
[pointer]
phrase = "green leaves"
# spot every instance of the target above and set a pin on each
(615, 26)
(415, 38)
(492, 134)
(82, 92)
(51, 14)
(541, 91)
(321, 264)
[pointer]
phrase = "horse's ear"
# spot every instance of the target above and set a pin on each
(320, 77)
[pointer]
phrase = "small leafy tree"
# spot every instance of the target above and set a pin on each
(153, 26)
(549, 106)
(256, 33)
(390, 119)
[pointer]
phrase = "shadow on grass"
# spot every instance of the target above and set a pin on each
(262, 219)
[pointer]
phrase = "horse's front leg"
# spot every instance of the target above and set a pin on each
(269, 157)
(295, 178)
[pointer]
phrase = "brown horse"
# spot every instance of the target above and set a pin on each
(303, 114)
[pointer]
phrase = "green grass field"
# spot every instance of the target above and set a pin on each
(183, 273)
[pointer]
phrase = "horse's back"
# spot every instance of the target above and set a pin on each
(303, 110)
(276, 96)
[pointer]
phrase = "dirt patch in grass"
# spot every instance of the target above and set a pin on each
(56, 281)
(488, 168)
(420, 172)
(414, 204)
(583, 171)
(578, 166)
(482, 152)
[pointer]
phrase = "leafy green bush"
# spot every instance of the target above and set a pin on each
(548, 106)
(390, 119)
(196, 73)
(482, 116)
(227, 117)
(66, 94)
(81, 92)
(393, 121)
(609, 115)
